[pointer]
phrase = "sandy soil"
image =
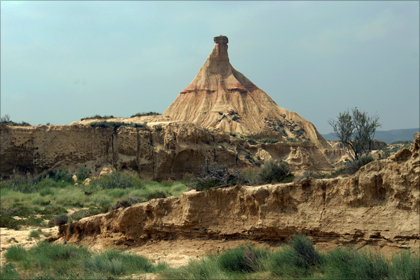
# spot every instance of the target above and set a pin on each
(9, 237)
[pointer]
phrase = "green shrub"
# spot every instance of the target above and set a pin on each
(155, 194)
(46, 191)
(297, 260)
(80, 214)
(82, 173)
(354, 166)
(8, 271)
(59, 220)
(117, 180)
(7, 221)
(16, 253)
(117, 263)
(97, 117)
(251, 141)
(272, 141)
(244, 259)
(272, 172)
(306, 256)
(351, 264)
(7, 121)
(35, 233)
(146, 114)
(215, 175)
(405, 266)
(115, 125)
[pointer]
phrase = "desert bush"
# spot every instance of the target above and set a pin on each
(251, 141)
(59, 220)
(275, 172)
(82, 173)
(405, 266)
(215, 175)
(35, 233)
(80, 214)
(297, 260)
(61, 175)
(117, 180)
(146, 114)
(353, 166)
(16, 253)
(117, 263)
(7, 221)
(267, 140)
(8, 271)
(7, 121)
(115, 125)
(244, 259)
(250, 175)
(97, 117)
(46, 191)
(351, 264)
(155, 194)
(252, 160)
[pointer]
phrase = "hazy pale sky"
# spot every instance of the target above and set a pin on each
(62, 61)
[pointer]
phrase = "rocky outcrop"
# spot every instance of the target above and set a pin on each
(159, 151)
(221, 97)
(379, 205)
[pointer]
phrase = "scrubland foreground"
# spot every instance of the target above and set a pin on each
(365, 215)
(298, 259)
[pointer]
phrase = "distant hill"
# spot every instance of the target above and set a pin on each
(387, 136)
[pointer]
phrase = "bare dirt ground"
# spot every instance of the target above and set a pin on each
(9, 237)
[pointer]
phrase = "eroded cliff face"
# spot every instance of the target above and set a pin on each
(159, 151)
(221, 97)
(378, 205)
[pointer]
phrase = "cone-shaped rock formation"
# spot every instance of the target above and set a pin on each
(221, 97)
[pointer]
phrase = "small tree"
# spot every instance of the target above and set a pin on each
(356, 131)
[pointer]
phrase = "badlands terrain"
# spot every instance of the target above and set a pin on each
(221, 117)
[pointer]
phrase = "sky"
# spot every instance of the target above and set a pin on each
(63, 61)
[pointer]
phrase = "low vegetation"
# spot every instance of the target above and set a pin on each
(146, 114)
(115, 125)
(7, 121)
(219, 176)
(98, 117)
(32, 201)
(55, 261)
(298, 260)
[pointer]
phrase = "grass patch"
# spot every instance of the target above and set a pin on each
(56, 261)
(26, 197)
(298, 259)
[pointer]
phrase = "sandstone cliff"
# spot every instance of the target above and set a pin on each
(378, 205)
(221, 97)
(159, 151)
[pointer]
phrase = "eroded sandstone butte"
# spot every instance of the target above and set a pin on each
(159, 151)
(379, 205)
(221, 97)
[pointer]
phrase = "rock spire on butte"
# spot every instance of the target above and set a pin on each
(221, 97)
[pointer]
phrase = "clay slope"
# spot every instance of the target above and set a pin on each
(158, 151)
(379, 205)
(221, 97)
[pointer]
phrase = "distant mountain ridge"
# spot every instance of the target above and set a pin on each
(387, 136)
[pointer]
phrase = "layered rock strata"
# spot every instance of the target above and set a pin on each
(221, 97)
(159, 151)
(378, 205)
